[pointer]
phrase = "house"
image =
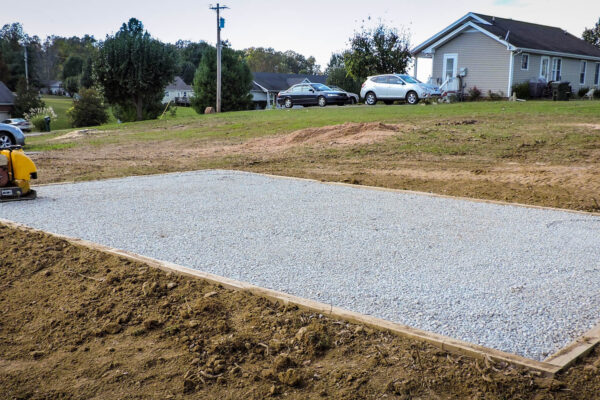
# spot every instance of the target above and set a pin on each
(494, 53)
(266, 85)
(54, 87)
(7, 102)
(178, 92)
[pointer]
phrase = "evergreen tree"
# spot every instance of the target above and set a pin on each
(134, 69)
(236, 80)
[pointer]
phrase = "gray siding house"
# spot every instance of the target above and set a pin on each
(494, 53)
(7, 102)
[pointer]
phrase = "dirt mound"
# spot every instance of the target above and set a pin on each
(76, 323)
(74, 135)
(348, 133)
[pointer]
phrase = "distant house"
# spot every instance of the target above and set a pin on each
(55, 88)
(178, 92)
(495, 53)
(7, 102)
(266, 85)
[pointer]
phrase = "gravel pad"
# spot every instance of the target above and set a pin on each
(517, 279)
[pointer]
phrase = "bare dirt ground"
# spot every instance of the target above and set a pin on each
(454, 157)
(81, 324)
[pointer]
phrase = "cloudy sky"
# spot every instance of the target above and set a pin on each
(309, 27)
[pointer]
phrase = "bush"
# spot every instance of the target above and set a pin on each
(596, 94)
(474, 93)
(37, 115)
(582, 92)
(522, 90)
(88, 109)
(495, 96)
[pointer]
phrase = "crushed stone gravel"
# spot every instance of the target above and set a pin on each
(518, 279)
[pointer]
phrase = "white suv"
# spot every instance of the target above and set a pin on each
(393, 87)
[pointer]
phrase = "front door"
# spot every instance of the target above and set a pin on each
(450, 67)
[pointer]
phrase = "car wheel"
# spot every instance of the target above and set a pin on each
(352, 100)
(371, 99)
(388, 102)
(412, 97)
(5, 141)
(322, 101)
(288, 103)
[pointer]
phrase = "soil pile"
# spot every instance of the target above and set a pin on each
(344, 134)
(78, 323)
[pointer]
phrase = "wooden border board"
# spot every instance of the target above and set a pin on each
(549, 367)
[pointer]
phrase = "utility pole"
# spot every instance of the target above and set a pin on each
(26, 68)
(220, 23)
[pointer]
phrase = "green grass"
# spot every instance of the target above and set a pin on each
(505, 118)
(60, 104)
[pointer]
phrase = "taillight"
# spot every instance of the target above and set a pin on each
(363, 85)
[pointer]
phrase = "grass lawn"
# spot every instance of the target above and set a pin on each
(60, 104)
(537, 152)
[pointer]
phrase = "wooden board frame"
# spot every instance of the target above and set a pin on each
(554, 364)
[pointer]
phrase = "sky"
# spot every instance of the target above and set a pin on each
(309, 27)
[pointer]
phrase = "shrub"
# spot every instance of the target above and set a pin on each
(37, 115)
(596, 94)
(88, 109)
(522, 90)
(495, 96)
(474, 93)
(582, 92)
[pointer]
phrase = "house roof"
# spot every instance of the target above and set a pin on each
(54, 83)
(519, 35)
(178, 84)
(273, 81)
(6, 96)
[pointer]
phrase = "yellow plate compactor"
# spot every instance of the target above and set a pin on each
(16, 170)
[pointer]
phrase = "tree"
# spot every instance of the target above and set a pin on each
(13, 41)
(88, 110)
(592, 35)
(27, 98)
(71, 85)
(236, 81)
(134, 69)
(72, 67)
(262, 59)
(338, 76)
(87, 76)
(378, 51)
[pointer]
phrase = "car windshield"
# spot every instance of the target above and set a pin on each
(409, 79)
(320, 87)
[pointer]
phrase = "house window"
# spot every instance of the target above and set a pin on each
(582, 72)
(597, 75)
(545, 68)
(556, 67)
(525, 62)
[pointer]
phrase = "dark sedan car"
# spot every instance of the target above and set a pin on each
(311, 94)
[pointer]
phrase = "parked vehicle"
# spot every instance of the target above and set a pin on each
(392, 87)
(352, 97)
(20, 123)
(311, 94)
(10, 135)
